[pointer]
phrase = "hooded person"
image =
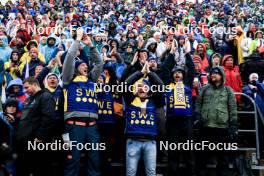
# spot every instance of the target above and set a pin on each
(199, 73)
(50, 47)
(218, 38)
(201, 51)
(129, 52)
(26, 56)
(258, 42)
(151, 46)
(240, 36)
(5, 78)
(12, 66)
(15, 90)
(232, 75)
(5, 50)
(112, 31)
(97, 41)
(105, 52)
(42, 44)
(215, 60)
(216, 114)
(246, 44)
(28, 68)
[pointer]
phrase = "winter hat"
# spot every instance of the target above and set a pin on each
(78, 62)
(178, 68)
(251, 76)
(152, 58)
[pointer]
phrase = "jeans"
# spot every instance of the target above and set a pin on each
(83, 134)
(134, 149)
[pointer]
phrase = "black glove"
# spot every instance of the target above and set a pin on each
(199, 121)
(233, 134)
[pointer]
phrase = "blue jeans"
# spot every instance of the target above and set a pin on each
(134, 150)
(82, 134)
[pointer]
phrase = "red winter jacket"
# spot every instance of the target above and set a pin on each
(233, 78)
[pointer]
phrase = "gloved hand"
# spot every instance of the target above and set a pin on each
(233, 133)
(199, 121)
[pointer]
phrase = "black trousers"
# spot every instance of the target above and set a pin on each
(180, 130)
(212, 135)
(34, 162)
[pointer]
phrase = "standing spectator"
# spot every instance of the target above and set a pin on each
(15, 90)
(35, 125)
(141, 133)
(81, 109)
(258, 42)
(199, 72)
(5, 50)
(238, 40)
(179, 124)
(232, 75)
(216, 112)
(5, 78)
(49, 47)
(26, 56)
(201, 51)
(12, 66)
(28, 68)
(246, 44)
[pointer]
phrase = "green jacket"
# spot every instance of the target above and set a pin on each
(216, 106)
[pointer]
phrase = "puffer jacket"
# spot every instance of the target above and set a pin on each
(216, 106)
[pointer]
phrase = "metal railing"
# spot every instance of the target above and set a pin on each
(251, 131)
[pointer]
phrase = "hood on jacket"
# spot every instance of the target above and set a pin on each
(30, 43)
(221, 71)
(151, 41)
(114, 40)
(107, 47)
(5, 41)
(52, 36)
(204, 47)
(46, 81)
(212, 56)
(40, 41)
(14, 51)
(15, 82)
(256, 33)
(225, 58)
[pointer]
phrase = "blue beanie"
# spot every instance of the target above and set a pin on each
(78, 62)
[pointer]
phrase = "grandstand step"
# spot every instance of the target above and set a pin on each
(245, 112)
(246, 149)
(247, 131)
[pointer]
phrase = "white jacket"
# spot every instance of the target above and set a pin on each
(245, 46)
